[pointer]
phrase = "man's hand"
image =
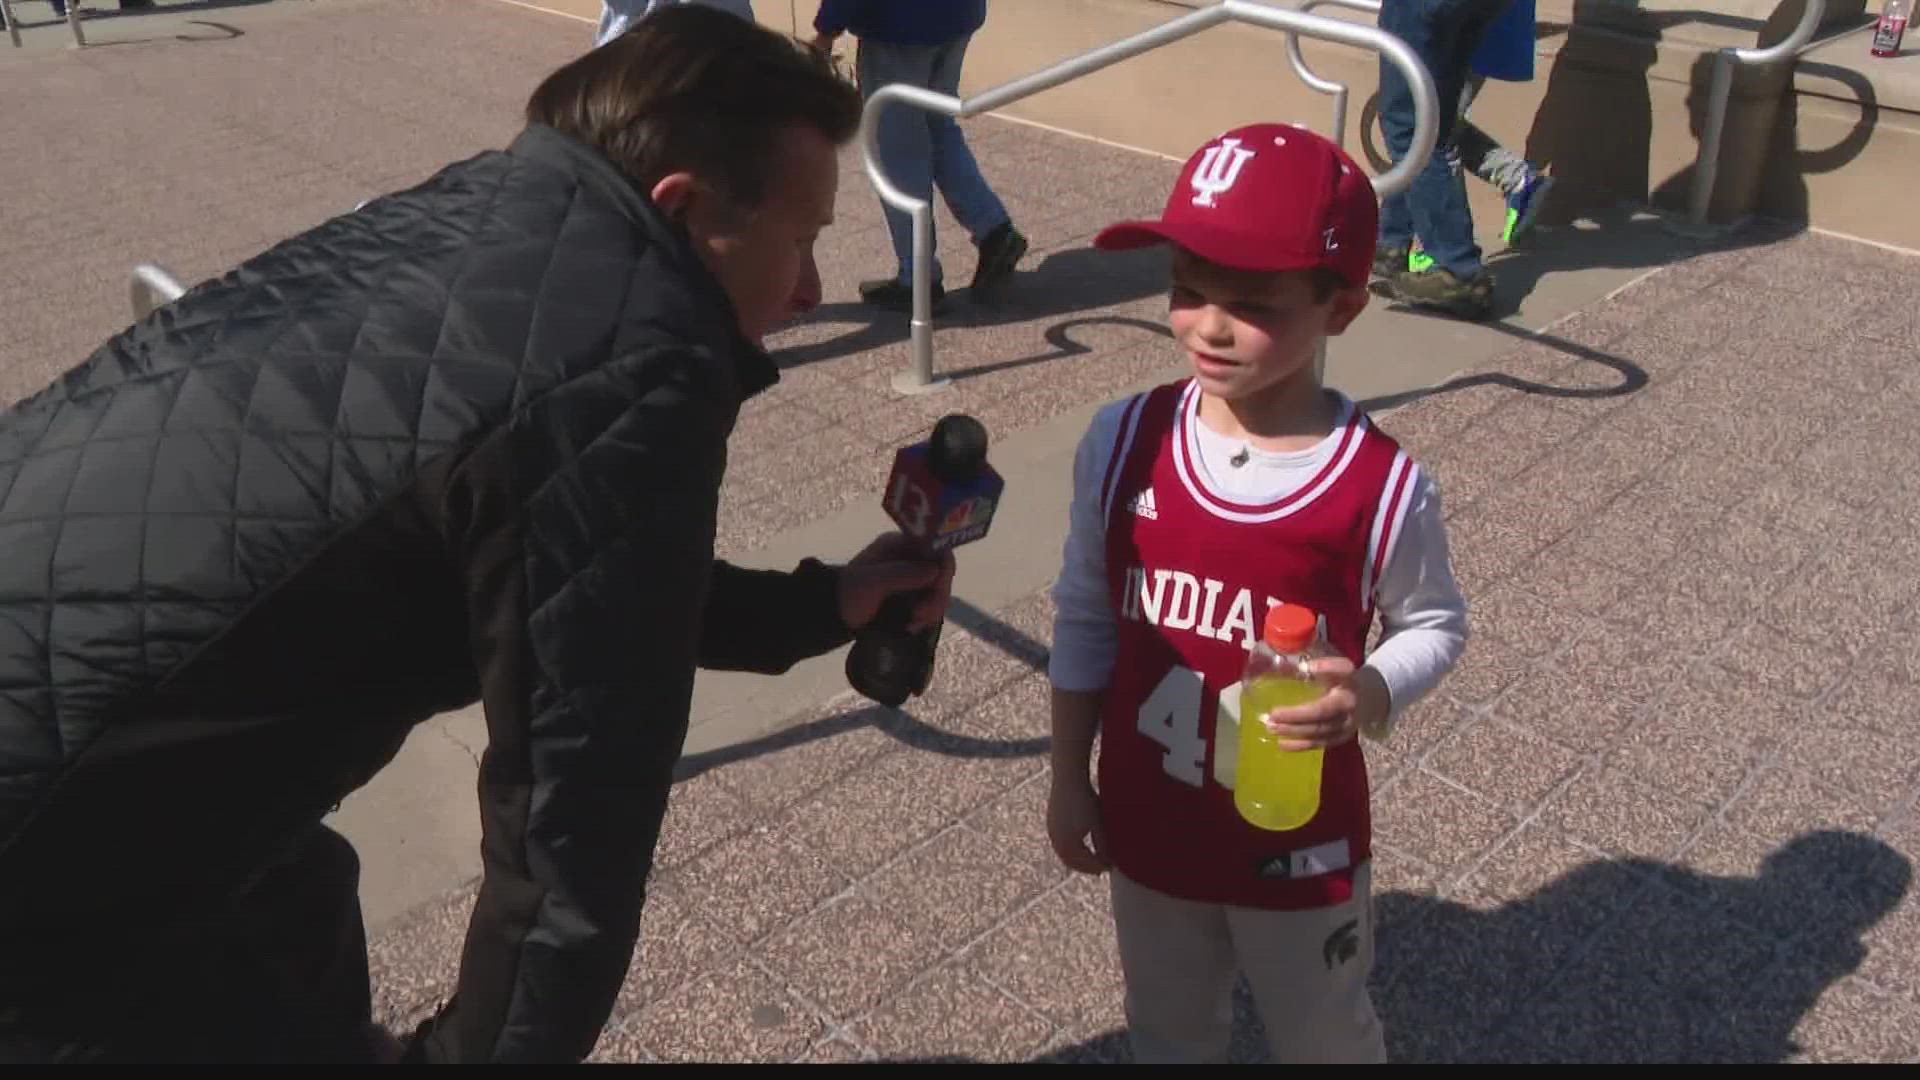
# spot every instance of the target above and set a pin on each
(1073, 825)
(893, 564)
(823, 43)
(1352, 701)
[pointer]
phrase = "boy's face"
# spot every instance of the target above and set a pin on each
(1244, 331)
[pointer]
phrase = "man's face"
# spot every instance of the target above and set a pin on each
(763, 255)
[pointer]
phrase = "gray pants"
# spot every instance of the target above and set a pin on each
(1308, 971)
(1480, 154)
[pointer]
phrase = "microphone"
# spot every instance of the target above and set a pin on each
(941, 493)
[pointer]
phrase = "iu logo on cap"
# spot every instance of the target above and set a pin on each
(1219, 168)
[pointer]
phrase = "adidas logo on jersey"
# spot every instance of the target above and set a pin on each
(1142, 504)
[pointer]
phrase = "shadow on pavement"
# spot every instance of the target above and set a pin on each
(1633, 378)
(899, 724)
(1620, 960)
(1065, 282)
(1630, 960)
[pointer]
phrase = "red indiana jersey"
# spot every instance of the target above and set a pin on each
(1191, 575)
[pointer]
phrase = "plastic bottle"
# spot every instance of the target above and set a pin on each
(1891, 27)
(1274, 788)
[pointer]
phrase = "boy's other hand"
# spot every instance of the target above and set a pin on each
(1351, 701)
(1073, 826)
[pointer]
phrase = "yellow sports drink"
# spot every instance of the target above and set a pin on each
(1274, 788)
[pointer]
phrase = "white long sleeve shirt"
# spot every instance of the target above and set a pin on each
(1422, 612)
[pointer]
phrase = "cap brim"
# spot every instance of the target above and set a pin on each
(1227, 247)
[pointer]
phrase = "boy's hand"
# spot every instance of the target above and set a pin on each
(1352, 701)
(1073, 826)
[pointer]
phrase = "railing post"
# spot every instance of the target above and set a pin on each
(918, 378)
(13, 24)
(1706, 165)
(1339, 92)
(1324, 85)
(919, 375)
(152, 287)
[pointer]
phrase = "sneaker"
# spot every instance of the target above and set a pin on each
(999, 253)
(892, 294)
(1441, 290)
(1418, 261)
(1523, 207)
(1389, 262)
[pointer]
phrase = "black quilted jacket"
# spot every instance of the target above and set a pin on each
(463, 444)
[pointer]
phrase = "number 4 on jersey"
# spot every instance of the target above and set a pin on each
(1171, 717)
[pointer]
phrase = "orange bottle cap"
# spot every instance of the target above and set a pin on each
(1290, 627)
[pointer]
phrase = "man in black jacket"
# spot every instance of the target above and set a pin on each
(465, 443)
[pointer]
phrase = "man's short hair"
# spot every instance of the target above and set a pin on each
(692, 89)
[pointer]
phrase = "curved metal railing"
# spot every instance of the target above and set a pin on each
(1706, 168)
(919, 374)
(1707, 164)
(73, 23)
(1323, 85)
(152, 286)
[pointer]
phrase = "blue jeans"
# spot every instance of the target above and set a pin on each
(920, 150)
(1444, 35)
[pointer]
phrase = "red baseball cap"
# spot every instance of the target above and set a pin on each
(1266, 197)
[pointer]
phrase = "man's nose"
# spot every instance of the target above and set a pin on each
(806, 292)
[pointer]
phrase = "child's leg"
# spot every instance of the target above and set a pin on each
(1177, 959)
(1308, 971)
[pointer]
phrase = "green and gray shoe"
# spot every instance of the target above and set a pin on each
(1388, 261)
(1439, 289)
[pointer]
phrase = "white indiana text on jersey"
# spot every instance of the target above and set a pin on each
(1180, 601)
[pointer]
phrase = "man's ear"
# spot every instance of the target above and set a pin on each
(1345, 306)
(673, 194)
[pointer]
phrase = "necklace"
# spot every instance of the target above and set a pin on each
(1245, 455)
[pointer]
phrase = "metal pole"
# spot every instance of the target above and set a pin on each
(1317, 82)
(1706, 166)
(151, 288)
(1339, 92)
(13, 24)
(73, 23)
(919, 376)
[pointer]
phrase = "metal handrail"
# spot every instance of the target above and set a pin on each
(152, 287)
(73, 23)
(1327, 86)
(919, 375)
(1707, 164)
(1706, 168)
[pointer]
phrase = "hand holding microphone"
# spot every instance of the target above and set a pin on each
(941, 493)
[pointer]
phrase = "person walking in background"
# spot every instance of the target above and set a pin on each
(924, 43)
(1444, 34)
(618, 16)
(1506, 53)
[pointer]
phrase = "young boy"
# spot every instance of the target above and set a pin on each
(1196, 506)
